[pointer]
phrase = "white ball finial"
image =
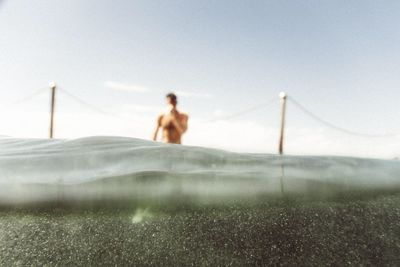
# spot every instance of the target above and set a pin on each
(282, 95)
(52, 84)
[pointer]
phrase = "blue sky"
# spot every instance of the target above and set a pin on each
(340, 59)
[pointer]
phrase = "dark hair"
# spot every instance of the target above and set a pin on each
(173, 98)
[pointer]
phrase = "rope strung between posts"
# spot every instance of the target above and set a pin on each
(227, 117)
(335, 127)
(259, 106)
(95, 108)
(25, 98)
(86, 104)
(244, 111)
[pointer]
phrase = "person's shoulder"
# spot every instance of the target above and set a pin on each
(184, 115)
(160, 117)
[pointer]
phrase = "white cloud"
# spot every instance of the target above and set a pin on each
(143, 89)
(135, 108)
(235, 135)
(247, 136)
(126, 87)
(76, 124)
(218, 113)
(189, 94)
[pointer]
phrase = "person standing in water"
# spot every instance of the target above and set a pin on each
(173, 123)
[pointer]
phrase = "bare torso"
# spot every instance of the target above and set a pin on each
(170, 133)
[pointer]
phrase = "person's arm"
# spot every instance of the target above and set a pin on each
(181, 124)
(184, 122)
(155, 133)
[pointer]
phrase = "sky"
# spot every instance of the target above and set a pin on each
(339, 59)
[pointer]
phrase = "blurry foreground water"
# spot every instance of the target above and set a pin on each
(123, 201)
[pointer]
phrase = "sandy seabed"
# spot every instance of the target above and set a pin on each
(341, 231)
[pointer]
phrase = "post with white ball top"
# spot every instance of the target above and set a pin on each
(283, 98)
(52, 108)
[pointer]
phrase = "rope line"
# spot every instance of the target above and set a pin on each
(244, 111)
(86, 104)
(25, 99)
(335, 127)
(97, 109)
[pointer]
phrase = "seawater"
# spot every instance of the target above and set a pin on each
(115, 201)
(106, 168)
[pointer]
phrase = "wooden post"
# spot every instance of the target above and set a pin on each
(52, 107)
(283, 98)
